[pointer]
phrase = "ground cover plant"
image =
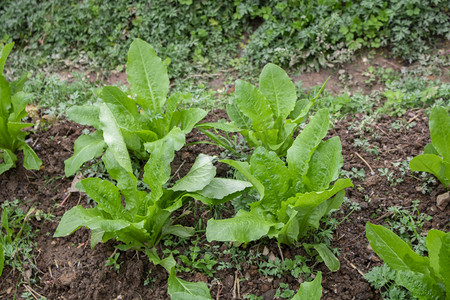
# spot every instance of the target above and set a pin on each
(12, 104)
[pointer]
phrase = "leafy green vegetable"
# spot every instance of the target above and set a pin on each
(424, 277)
(12, 110)
(145, 218)
(124, 124)
(261, 116)
(310, 290)
(293, 197)
(436, 157)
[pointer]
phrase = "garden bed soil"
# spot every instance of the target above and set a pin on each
(67, 268)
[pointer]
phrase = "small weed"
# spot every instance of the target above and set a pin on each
(284, 291)
(383, 276)
(252, 297)
(112, 261)
(277, 268)
(355, 173)
(199, 259)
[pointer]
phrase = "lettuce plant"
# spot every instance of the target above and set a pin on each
(145, 218)
(425, 277)
(436, 157)
(12, 110)
(294, 195)
(131, 122)
(268, 116)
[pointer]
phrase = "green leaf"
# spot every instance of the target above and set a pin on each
(433, 164)
(180, 289)
(147, 76)
(126, 182)
(219, 188)
(176, 138)
(4, 55)
(254, 105)
(198, 177)
(244, 227)
(92, 218)
(2, 257)
(394, 251)
(422, 286)
(438, 244)
(328, 257)
(85, 115)
(278, 89)
(5, 97)
(310, 290)
(440, 132)
(244, 168)
(325, 164)
(30, 160)
(272, 172)
(106, 195)
(299, 155)
(113, 137)
(221, 125)
(19, 101)
(9, 160)
(113, 95)
(187, 118)
(86, 147)
(239, 118)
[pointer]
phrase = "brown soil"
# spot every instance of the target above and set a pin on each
(66, 268)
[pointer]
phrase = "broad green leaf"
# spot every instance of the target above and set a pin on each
(180, 289)
(438, 244)
(106, 195)
(310, 290)
(239, 118)
(147, 76)
(4, 55)
(113, 95)
(167, 263)
(18, 84)
(244, 227)
(325, 164)
(187, 118)
(86, 147)
(113, 137)
(244, 168)
(9, 160)
(30, 160)
(394, 251)
(440, 132)
(300, 110)
(254, 105)
(299, 155)
(157, 169)
(221, 125)
(278, 89)
(126, 182)
(198, 177)
(5, 98)
(19, 101)
(85, 115)
(272, 172)
(15, 130)
(433, 164)
(421, 286)
(178, 230)
(310, 207)
(328, 257)
(2, 257)
(219, 188)
(92, 218)
(176, 138)
(429, 149)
